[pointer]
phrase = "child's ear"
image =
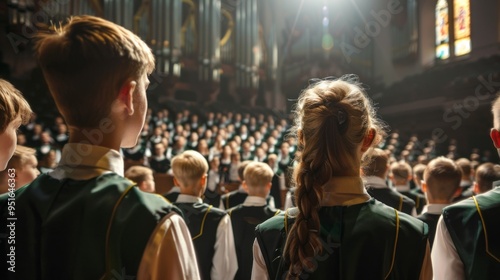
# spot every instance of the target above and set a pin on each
(495, 136)
(368, 140)
(176, 183)
(244, 185)
(142, 186)
(203, 180)
(424, 186)
(476, 188)
(268, 186)
(126, 95)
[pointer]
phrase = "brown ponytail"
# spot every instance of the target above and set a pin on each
(332, 119)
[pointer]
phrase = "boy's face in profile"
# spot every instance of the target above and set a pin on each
(136, 121)
(27, 173)
(8, 140)
(148, 185)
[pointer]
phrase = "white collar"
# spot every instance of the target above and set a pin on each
(435, 209)
(254, 201)
(186, 198)
(402, 188)
(83, 161)
(174, 189)
(375, 182)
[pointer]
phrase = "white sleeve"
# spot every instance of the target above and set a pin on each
(446, 263)
(288, 200)
(282, 182)
(271, 202)
(169, 253)
(414, 212)
(259, 269)
(225, 262)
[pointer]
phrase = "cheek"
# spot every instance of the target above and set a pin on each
(9, 141)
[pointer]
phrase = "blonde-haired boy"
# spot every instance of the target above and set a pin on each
(21, 169)
(254, 210)
(14, 111)
(97, 74)
(210, 227)
(142, 176)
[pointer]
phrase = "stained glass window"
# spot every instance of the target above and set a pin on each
(442, 30)
(461, 9)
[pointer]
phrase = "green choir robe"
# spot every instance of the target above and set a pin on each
(244, 219)
(475, 231)
(363, 241)
(71, 229)
(202, 220)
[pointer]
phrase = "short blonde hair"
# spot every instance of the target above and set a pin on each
(401, 170)
(85, 64)
(21, 155)
(138, 173)
(189, 167)
(442, 176)
(241, 168)
(12, 105)
(258, 174)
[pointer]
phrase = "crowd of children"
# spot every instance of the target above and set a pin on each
(360, 212)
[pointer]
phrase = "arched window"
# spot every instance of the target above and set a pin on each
(442, 30)
(456, 36)
(462, 27)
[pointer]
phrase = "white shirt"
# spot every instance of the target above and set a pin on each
(288, 200)
(233, 172)
(445, 260)
(169, 250)
(213, 180)
(224, 261)
(435, 209)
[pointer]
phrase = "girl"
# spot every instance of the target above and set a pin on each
(337, 230)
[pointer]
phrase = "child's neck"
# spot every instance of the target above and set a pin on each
(94, 136)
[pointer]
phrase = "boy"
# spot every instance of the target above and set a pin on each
(486, 174)
(84, 220)
(463, 247)
(237, 197)
(441, 181)
(14, 111)
(212, 195)
(418, 177)
(142, 176)
(23, 166)
(466, 187)
(374, 176)
(210, 227)
(254, 210)
(401, 175)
